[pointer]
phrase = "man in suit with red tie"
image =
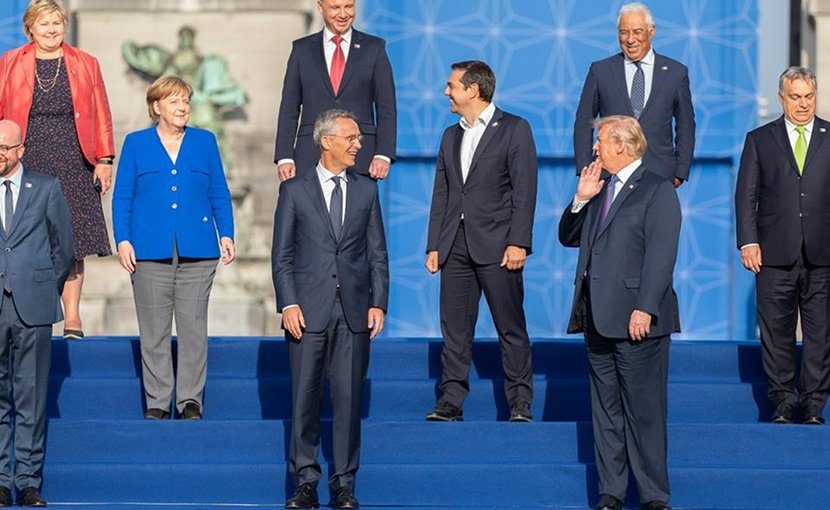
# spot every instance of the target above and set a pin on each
(648, 86)
(782, 214)
(480, 230)
(341, 68)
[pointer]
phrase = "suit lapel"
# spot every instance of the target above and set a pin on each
(28, 61)
(658, 77)
(319, 57)
(816, 139)
(618, 76)
(71, 73)
(318, 201)
(626, 191)
(456, 153)
(779, 132)
(26, 187)
(486, 137)
(355, 54)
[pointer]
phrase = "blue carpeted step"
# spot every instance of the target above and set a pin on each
(408, 359)
(401, 484)
(404, 399)
(265, 441)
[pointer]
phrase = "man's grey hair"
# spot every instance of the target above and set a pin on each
(636, 7)
(326, 123)
(627, 130)
(796, 73)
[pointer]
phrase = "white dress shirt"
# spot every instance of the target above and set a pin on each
(647, 63)
(793, 134)
(472, 135)
(622, 177)
(16, 179)
(327, 183)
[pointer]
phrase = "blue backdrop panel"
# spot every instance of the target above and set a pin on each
(11, 25)
(540, 51)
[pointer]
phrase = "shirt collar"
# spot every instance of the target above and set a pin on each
(625, 174)
(16, 179)
(324, 175)
(647, 60)
(328, 34)
(484, 117)
(807, 127)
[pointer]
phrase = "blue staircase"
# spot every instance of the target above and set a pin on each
(101, 454)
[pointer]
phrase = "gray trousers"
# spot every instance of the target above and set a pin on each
(25, 359)
(343, 357)
(162, 288)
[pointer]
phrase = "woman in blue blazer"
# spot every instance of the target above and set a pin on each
(172, 214)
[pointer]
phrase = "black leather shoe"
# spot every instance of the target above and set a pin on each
(521, 411)
(783, 413)
(345, 499)
(30, 496)
(656, 505)
(444, 411)
(156, 414)
(609, 502)
(305, 497)
(191, 411)
(811, 415)
(5, 496)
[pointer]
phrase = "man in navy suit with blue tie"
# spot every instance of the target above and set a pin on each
(331, 276)
(650, 87)
(36, 252)
(627, 229)
(340, 68)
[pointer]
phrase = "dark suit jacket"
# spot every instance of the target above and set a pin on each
(498, 199)
(307, 263)
(367, 90)
(605, 93)
(777, 208)
(631, 258)
(36, 255)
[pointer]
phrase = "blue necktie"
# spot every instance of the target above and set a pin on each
(336, 208)
(638, 91)
(606, 202)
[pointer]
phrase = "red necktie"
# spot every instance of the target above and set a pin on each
(338, 63)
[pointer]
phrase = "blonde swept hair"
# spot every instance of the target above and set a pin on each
(38, 8)
(627, 130)
(166, 86)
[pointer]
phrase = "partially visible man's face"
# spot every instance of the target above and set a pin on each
(607, 150)
(798, 100)
(456, 91)
(338, 15)
(11, 150)
(635, 35)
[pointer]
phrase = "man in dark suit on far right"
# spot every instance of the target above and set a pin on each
(650, 87)
(782, 228)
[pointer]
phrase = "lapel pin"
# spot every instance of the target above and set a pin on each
(822, 130)
(357, 46)
(495, 123)
(664, 68)
(28, 184)
(630, 186)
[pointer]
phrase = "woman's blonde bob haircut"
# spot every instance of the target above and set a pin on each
(38, 8)
(166, 86)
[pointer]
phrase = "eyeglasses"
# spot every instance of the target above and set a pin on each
(350, 138)
(4, 149)
(639, 33)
